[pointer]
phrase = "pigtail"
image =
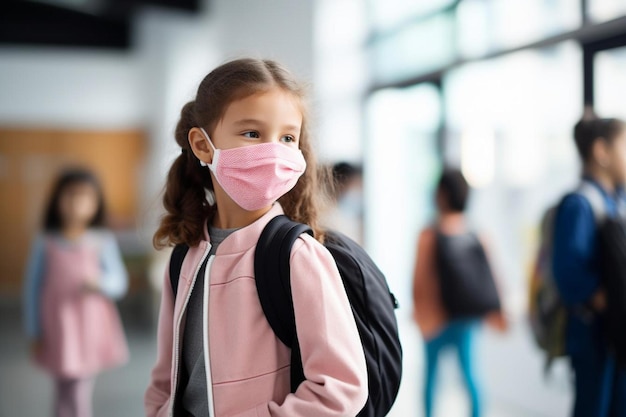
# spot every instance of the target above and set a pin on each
(185, 197)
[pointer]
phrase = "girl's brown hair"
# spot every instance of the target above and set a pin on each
(53, 220)
(185, 197)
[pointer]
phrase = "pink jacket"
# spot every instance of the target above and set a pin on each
(247, 365)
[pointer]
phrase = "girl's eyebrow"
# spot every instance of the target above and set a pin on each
(247, 122)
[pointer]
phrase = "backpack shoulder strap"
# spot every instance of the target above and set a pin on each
(272, 275)
(595, 198)
(273, 283)
(176, 264)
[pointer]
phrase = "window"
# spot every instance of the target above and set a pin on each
(402, 165)
(485, 25)
(602, 10)
(420, 48)
(523, 105)
(389, 14)
(610, 83)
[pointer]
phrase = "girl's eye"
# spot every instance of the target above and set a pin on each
(288, 139)
(252, 135)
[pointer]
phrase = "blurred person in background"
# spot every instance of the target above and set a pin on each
(74, 274)
(600, 387)
(345, 213)
(453, 289)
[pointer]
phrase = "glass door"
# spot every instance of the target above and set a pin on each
(401, 166)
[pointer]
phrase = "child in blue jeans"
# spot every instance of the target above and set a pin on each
(600, 387)
(439, 331)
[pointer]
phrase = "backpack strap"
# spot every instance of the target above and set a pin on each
(595, 198)
(273, 282)
(176, 264)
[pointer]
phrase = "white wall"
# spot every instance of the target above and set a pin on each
(69, 88)
(275, 29)
(147, 86)
(174, 51)
(105, 88)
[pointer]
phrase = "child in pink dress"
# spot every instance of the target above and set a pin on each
(74, 274)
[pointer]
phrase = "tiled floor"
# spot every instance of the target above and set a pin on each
(25, 391)
(511, 375)
(510, 372)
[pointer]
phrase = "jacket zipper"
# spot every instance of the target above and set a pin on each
(205, 336)
(177, 338)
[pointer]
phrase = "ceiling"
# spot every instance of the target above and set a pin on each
(76, 23)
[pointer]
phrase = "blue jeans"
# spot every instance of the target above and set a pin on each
(600, 384)
(458, 335)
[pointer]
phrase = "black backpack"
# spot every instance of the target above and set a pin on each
(372, 304)
(466, 281)
(612, 259)
(612, 237)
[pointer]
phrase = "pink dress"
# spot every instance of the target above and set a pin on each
(82, 332)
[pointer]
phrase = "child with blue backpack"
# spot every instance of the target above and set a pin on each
(600, 386)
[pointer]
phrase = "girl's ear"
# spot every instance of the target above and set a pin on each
(601, 152)
(200, 145)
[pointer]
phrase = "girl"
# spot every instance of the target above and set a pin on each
(600, 387)
(440, 332)
(246, 158)
(74, 273)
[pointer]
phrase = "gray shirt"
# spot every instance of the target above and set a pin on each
(191, 394)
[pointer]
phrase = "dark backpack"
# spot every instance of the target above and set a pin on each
(612, 260)
(176, 264)
(372, 304)
(612, 236)
(466, 281)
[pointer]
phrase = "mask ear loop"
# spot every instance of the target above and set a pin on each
(206, 135)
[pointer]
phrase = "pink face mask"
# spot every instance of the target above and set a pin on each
(255, 176)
